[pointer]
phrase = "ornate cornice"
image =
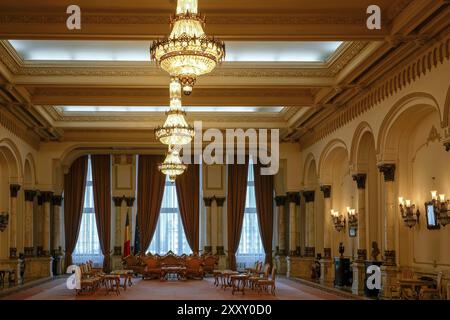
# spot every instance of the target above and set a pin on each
(309, 196)
(10, 123)
(360, 179)
(388, 170)
(400, 77)
(14, 190)
(326, 189)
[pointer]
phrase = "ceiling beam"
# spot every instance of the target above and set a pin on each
(270, 27)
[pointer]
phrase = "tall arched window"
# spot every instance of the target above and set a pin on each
(88, 244)
(169, 234)
(250, 247)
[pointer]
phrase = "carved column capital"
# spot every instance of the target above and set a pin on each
(326, 189)
(360, 179)
(293, 197)
(14, 190)
(29, 195)
(280, 200)
(220, 201)
(309, 195)
(39, 199)
(208, 201)
(447, 146)
(388, 170)
(46, 196)
(129, 201)
(118, 201)
(57, 200)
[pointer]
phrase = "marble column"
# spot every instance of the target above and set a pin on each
(389, 269)
(208, 242)
(220, 249)
(359, 272)
(28, 225)
(13, 192)
(39, 225)
(310, 239)
(326, 264)
(46, 200)
(280, 202)
(130, 203)
(56, 244)
(118, 225)
(294, 202)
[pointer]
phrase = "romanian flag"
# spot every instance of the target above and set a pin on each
(127, 243)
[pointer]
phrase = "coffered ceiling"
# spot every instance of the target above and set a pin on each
(290, 63)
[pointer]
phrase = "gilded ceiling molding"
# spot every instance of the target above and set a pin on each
(404, 76)
(10, 123)
(339, 60)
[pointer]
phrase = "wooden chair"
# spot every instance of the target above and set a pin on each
(261, 275)
(194, 267)
(394, 292)
(89, 282)
(266, 284)
(432, 293)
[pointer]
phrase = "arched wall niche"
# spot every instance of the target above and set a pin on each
(13, 160)
(335, 171)
(29, 173)
(364, 161)
(401, 118)
(446, 121)
(411, 136)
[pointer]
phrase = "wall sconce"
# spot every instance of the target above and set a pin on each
(409, 213)
(4, 218)
(338, 220)
(441, 208)
(352, 218)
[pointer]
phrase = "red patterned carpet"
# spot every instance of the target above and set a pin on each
(173, 290)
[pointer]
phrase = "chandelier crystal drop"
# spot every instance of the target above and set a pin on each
(172, 165)
(175, 131)
(188, 52)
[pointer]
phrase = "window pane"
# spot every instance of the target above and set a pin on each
(250, 247)
(88, 245)
(169, 234)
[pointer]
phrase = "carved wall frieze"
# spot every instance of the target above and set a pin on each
(9, 122)
(401, 77)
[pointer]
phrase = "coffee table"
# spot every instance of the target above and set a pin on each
(178, 272)
(126, 275)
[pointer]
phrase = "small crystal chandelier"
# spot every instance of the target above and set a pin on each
(408, 212)
(188, 52)
(172, 165)
(175, 131)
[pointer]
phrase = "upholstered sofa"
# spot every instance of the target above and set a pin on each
(152, 267)
(194, 267)
(210, 263)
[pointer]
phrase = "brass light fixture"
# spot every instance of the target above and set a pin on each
(187, 52)
(175, 131)
(172, 165)
(4, 219)
(338, 220)
(409, 213)
(352, 218)
(441, 207)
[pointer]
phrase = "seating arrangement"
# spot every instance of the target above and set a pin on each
(252, 278)
(154, 266)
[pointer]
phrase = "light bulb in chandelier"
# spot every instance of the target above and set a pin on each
(175, 130)
(172, 165)
(187, 52)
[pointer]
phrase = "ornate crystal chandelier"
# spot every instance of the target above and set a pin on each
(172, 165)
(188, 52)
(175, 131)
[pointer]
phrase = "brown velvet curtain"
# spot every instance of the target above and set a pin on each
(264, 207)
(188, 193)
(74, 189)
(237, 192)
(101, 180)
(150, 193)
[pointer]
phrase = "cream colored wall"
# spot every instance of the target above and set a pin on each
(422, 105)
(14, 152)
